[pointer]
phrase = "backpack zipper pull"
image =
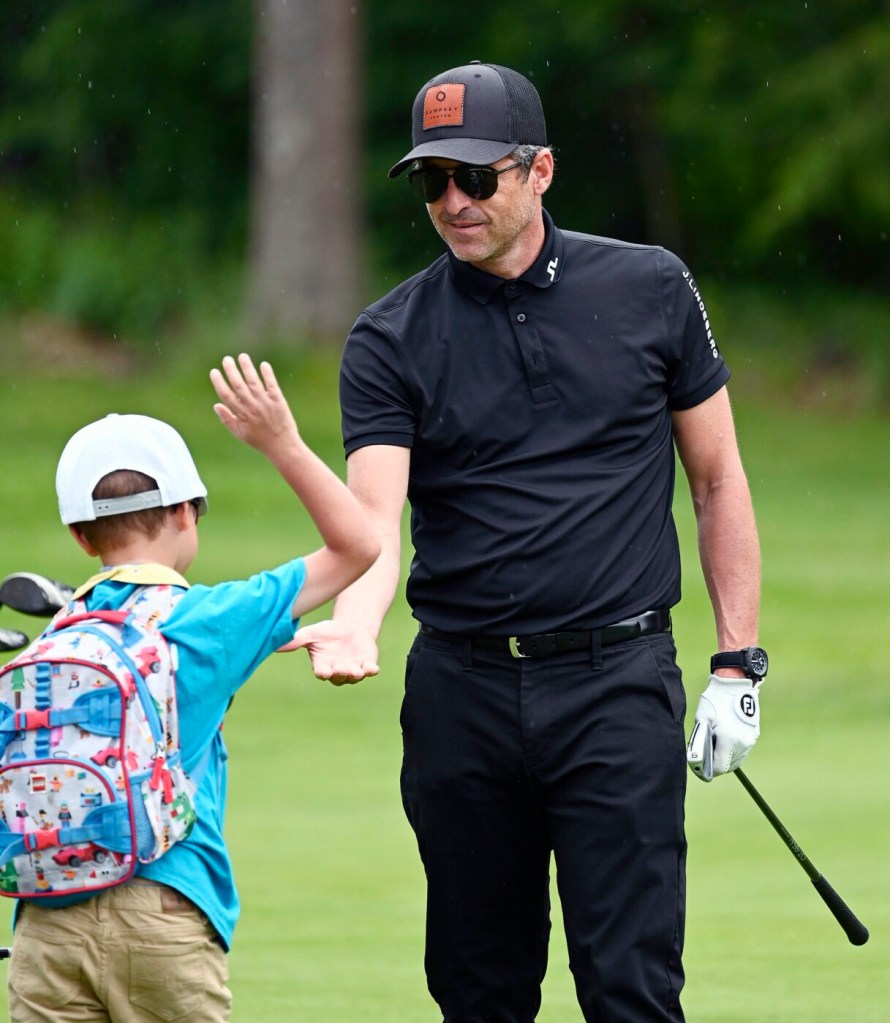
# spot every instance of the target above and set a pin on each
(159, 768)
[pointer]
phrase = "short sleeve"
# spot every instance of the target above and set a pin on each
(697, 368)
(374, 394)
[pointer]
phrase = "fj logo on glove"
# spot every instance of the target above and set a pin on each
(748, 705)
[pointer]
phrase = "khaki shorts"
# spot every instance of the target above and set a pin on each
(137, 953)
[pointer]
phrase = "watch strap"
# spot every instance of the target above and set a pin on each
(728, 659)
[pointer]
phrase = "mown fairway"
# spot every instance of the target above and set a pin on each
(332, 922)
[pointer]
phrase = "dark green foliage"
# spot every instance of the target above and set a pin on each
(752, 139)
(143, 100)
(123, 154)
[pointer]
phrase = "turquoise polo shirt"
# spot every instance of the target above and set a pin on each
(222, 634)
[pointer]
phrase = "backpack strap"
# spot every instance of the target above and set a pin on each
(95, 711)
(142, 574)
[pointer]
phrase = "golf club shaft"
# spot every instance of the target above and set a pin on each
(853, 927)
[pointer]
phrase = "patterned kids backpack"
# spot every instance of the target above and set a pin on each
(91, 780)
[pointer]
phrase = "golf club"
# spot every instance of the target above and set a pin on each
(853, 928)
(34, 594)
(31, 594)
(12, 639)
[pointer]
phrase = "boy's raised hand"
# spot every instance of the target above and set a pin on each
(251, 405)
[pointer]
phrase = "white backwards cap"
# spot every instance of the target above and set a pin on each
(133, 442)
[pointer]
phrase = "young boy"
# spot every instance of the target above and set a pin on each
(154, 948)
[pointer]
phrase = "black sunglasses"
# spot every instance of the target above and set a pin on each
(430, 182)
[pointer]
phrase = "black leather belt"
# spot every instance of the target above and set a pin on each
(546, 644)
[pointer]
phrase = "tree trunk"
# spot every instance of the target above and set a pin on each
(306, 264)
(657, 180)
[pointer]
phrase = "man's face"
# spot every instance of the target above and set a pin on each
(494, 233)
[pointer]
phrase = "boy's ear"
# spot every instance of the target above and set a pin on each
(83, 542)
(182, 514)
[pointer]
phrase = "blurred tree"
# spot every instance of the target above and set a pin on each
(754, 139)
(123, 156)
(780, 119)
(306, 231)
(141, 103)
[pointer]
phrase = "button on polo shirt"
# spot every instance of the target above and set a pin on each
(538, 416)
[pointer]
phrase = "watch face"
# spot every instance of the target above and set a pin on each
(757, 661)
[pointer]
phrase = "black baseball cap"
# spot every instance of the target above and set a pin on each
(478, 114)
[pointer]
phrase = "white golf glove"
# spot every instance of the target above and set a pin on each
(727, 724)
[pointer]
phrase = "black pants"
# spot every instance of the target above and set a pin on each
(506, 761)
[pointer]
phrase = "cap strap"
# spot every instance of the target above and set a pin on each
(129, 503)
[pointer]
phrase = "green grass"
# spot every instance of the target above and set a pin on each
(332, 889)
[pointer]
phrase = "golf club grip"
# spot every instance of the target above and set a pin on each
(855, 930)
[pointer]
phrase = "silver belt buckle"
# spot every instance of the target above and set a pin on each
(513, 643)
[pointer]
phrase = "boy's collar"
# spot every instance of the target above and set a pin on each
(142, 574)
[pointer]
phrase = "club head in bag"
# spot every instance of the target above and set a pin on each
(12, 639)
(33, 594)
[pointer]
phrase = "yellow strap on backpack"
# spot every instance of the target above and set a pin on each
(142, 574)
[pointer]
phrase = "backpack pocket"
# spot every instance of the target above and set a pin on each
(63, 829)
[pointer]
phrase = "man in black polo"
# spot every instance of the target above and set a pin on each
(526, 393)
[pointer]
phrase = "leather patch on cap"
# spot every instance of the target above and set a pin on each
(443, 106)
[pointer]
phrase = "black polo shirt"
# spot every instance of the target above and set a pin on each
(538, 416)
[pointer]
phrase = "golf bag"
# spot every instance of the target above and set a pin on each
(91, 780)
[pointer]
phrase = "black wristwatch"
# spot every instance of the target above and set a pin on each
(752, 660)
